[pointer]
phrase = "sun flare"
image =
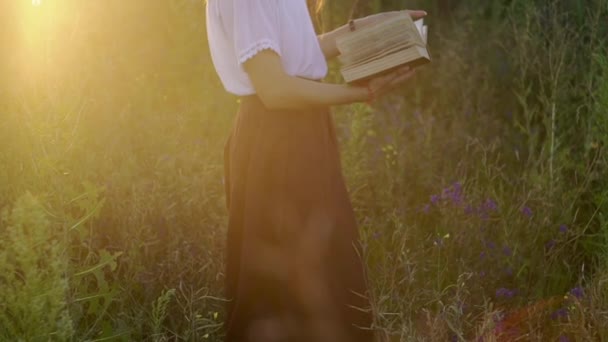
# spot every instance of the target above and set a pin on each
(36, 2)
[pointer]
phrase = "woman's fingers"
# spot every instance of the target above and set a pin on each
(402, 77)
(403, 69)
(385, 83)
(379, 17)
(396, 73)
(416, 14)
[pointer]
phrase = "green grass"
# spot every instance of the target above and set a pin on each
(480, 187)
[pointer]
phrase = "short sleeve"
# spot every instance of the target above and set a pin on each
(256, 27)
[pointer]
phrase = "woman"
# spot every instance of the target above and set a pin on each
(293, 266)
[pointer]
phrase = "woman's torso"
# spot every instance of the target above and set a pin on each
(238, 29)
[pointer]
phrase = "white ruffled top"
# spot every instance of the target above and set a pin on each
(239, 29)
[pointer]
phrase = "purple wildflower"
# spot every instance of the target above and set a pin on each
(505, 293)
(559, 313)
(376, 235)
(490, 245)
(446, 192)
(507, 251)
(482, 255)
(563, 338)
(456, 193)
(434, 199)
(577, 292)
(526, 211)
(490, 205)
(563, 228)
(426, 208)
(550, 244)
(482, 274)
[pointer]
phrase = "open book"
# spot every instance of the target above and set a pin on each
(372, 50)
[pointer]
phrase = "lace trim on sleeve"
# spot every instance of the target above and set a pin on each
(253, 49)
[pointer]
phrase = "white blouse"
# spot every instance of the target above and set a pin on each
(238, 29)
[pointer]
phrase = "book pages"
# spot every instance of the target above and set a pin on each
(380, 54)
(377, 48)
(414, 54)
(419, 24)
(376, 34)
(424, 33)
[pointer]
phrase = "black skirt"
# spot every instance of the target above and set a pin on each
(293, 265)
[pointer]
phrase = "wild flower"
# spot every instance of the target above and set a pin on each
(457, 187)
(504, 292)
(426, 208)
(563, 228)
(550, 244)
(490, 205)
(455, 193)
(434, 199)
(490, 245)
(577, 292)
(564, 338)
(507, 251)
(559, 313)
(456, 196)
(526, 211)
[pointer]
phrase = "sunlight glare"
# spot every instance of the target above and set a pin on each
(36, 2)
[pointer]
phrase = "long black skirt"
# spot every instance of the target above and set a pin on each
(293, 266)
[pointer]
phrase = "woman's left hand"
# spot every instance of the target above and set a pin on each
(375, 18)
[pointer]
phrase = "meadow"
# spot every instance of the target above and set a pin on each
(480, 187)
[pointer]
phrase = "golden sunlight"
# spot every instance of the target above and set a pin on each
(43, 32)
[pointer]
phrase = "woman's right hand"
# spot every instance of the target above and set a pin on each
(381, 85)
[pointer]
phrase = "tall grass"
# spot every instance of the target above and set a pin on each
(480, 187)
(33, 265)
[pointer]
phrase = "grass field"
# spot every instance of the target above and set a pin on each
(480, 188)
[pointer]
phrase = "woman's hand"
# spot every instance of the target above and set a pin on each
(381, 85)
(379, 17)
